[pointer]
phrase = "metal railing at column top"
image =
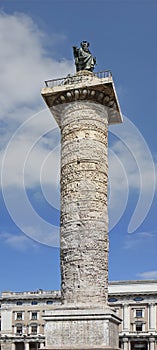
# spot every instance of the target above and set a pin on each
(71, 79)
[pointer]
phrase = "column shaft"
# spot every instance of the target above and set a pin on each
(152, 316)
(26, 346)
(152, 344)
(126, 317)
(84, 218)
(125, 344)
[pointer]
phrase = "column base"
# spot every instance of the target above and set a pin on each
(81, 328)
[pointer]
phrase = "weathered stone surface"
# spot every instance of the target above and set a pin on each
(83, 321)
(86, 328)
(84, 219)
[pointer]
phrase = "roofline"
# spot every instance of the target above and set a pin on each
(47, 293)
(124, 282)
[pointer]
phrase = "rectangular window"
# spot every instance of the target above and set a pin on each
(34, 302)
(139, 313)
(19, 329)
(34, 329)
(19, 316)
(19, 303)
(34, 315)
(139, 327)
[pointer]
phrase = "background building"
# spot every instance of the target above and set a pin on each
(22, 326)
(135, 302)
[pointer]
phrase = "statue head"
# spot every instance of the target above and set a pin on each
(84, 44)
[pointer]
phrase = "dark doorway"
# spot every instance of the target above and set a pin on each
(34, 346)
(139, 345)
(19, 346)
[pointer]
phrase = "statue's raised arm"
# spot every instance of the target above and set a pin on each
(83, 57)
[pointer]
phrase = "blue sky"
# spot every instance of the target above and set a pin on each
(36, 40)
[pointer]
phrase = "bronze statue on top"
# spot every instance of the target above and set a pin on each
(83, 57)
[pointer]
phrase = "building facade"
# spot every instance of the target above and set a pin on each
(22, 325)
(135, 302)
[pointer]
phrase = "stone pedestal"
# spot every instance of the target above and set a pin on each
(83, 106)
(81, 328)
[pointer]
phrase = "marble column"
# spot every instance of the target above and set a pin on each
(125, 344)
(82, 109)
(13, 347)
(84, 219)
(151, 343)
(152, 316)
(126, 317)
(26, 347)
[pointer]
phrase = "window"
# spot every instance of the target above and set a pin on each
(34, 315)
(139, 313)
(138, 327)
(34, 302)
(138, 299)
(112, 300)
(19, 329)
(34, 329)
(19, 316)
(19, 303)
(49, 302)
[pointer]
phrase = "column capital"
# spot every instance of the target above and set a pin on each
(83, 87)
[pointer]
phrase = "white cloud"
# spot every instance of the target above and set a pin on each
(148, 275)
(18, 242)
(139, 239)
(31, 158)
(25, 64)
